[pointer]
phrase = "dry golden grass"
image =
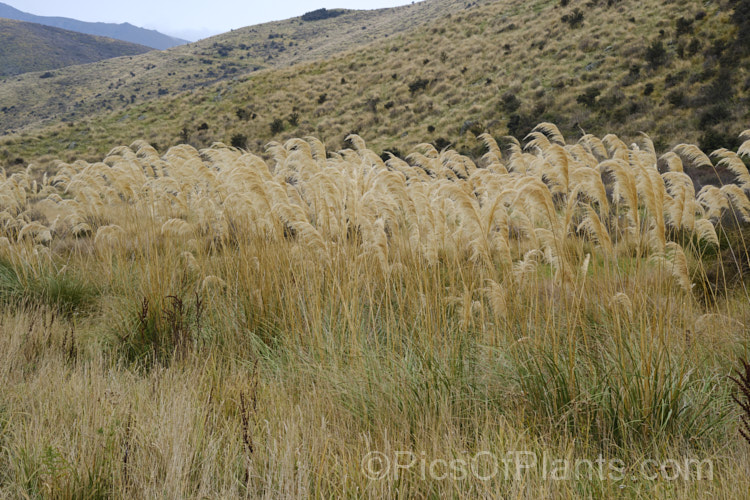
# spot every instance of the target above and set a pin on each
(211, 324)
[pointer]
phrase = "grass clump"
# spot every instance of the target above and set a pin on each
(62, 290)
(157, 333)
(621, 398)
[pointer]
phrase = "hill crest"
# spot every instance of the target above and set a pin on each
(54, 48)
(124, 31)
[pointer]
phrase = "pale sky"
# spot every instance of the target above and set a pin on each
(189, 19)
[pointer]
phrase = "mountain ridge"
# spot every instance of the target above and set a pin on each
(54, 48)
(123, 31)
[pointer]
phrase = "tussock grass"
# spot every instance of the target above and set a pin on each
(259, 326)
(24, 284)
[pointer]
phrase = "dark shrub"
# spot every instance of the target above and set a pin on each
(386, 155)
(519, 126)
(720, 90)
(511, 103)
(693, 47)
(656, 54)
(683, 26)
(712, 140)
(320, 14)
(277, 126)
(633, 74)
(242, 114)
(671, 79)
(372, 104)
(676, 98)
(417, 85)
(441, 143)
(574, 19)
(741, 19)
(239, 141)
(589, 97)
(713, 116)
(473, 126)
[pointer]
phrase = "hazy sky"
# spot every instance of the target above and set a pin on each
(190, 19)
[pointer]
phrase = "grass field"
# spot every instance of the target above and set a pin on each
(554, 320)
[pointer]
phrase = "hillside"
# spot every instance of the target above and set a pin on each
(106, 86)
(124, 31)
(54, 48)
(675, 71)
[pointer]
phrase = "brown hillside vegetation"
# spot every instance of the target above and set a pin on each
(113, 84)
(671, 68)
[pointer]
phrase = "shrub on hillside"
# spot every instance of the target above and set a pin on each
(714, 115)
(574, 19)
(712, 140)
(441, 143)
(683, 26)
(741, 19)
(589, 97)
(239, 141)
(520, 125)
(320, 14)
(656, 54)
(277, 126)
(511, 103)
(417, 85)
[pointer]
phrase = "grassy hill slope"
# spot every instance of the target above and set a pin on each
(676, 71)
(123, 31)
(76, 92)
(28, 47)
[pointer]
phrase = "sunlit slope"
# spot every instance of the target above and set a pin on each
(678, 71)
(76, 92)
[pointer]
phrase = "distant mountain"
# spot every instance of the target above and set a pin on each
(125, 31)
(27, 47)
